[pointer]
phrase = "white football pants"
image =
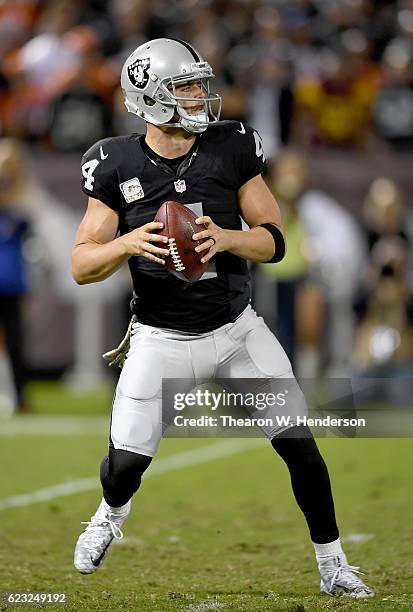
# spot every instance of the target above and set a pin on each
(243, 349)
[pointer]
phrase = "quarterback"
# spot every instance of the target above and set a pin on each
(198, 330)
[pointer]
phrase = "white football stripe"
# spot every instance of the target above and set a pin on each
(160, 466)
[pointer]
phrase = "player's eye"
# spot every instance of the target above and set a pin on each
(190, 86)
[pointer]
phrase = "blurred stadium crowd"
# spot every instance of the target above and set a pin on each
(327, 83)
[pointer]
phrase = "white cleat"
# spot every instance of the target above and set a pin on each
(93, 543)
(338, 579)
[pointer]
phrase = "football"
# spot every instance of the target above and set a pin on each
(179, 226)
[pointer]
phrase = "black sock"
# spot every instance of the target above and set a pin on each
(310, 481)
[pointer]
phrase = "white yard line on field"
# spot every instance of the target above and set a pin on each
(204, 606)
(357, 538)
(53, 425)
(177, 461)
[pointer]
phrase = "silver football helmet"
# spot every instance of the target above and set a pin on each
(149, 79)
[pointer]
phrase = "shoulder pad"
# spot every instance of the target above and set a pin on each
(107, 145)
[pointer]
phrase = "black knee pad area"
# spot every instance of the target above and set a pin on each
(120, 474)
(297, 446)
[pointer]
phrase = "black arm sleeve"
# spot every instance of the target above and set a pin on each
(279, 242)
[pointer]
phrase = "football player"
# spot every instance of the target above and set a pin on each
(186, 330)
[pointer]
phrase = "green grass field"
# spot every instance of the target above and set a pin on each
(224, 534)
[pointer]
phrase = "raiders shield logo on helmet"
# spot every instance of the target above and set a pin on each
(138, 72)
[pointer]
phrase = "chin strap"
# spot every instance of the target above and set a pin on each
(194, 126)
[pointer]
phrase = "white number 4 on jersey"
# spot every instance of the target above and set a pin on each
(88, 169)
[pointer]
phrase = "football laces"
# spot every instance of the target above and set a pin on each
(174, 253)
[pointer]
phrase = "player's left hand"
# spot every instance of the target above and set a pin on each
(218, 239)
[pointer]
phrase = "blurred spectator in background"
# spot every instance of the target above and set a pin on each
(318, 313)
(14, 229)
(130, 19)
(287, 277)
(384, 340)
(393, 106)
(384, 305)
(270, 86)
(61, 87)
(334, 107)
(16, 22)
(337, 254)
(385, 215)
(46, 251)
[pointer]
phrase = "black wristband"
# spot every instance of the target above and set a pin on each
(279, 242)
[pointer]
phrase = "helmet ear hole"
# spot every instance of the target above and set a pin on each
(149, 101)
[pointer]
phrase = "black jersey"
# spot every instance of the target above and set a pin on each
(118, 172)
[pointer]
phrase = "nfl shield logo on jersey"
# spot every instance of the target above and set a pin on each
(180, 186)
(132, 190)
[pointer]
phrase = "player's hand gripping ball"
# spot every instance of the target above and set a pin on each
(179, 226)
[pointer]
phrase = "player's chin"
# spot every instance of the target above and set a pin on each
(190, 111)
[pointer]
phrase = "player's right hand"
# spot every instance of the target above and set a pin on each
(139, 241)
